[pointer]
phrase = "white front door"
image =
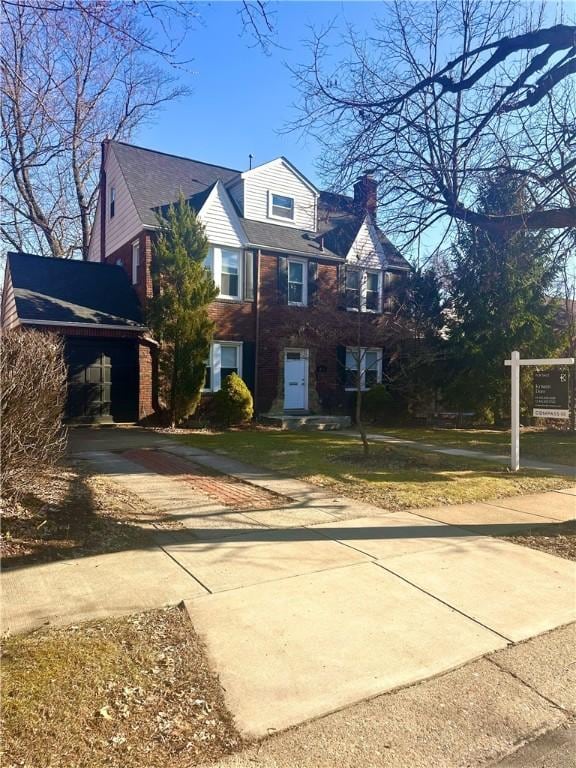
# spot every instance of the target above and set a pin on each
(295, 380)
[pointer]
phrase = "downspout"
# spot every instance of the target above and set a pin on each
(103, 202)
(257, 331)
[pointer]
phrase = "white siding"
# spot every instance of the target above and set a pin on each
(277, 177)
(366, 250)
(126, 224)
(94, 246)
(221, 220)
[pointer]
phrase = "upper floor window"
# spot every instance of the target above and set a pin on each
(363, 290)
(227, 267)
(281, 206)
(297, 283)
(135, 261)
(112, 202)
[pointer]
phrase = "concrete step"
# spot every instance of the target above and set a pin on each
(311, 422)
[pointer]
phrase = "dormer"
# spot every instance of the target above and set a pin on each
(277, 193)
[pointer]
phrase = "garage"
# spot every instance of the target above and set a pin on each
(94, 309)
(102, 380)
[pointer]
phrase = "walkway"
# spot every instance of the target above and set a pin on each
(500, 458)
(312, 602)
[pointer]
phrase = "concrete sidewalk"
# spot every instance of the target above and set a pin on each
(324, 602)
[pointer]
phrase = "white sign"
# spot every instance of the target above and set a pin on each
(551, 413)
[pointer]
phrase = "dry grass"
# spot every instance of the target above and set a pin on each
(68, 512)
(134, 692)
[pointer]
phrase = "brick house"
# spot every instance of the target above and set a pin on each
(305, 276)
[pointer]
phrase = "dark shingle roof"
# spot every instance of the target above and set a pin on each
(156, 179)
(69, 291)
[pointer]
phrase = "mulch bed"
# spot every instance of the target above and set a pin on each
(122, 693)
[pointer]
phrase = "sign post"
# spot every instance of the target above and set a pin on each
(552, 394)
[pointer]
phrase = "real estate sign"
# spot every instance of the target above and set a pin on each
(551, 394)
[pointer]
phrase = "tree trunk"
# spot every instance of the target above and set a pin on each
(359, 423)
(174, 386)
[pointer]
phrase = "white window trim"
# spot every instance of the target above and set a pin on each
(215, 359)
(216, 266)
(364, 290)
(135, 261)
(362, 363)
(272, 215)
(304, 302)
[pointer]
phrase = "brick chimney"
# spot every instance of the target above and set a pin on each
(366, 193)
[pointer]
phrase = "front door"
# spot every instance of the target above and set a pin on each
(295, 380)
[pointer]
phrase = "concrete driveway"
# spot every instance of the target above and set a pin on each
(320, 602)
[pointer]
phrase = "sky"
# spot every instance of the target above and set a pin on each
(242, 99)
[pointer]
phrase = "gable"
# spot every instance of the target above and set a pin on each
(366, 249)
(220, 219)
(94, 244)
(281, 178)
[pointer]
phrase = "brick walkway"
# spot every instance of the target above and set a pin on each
(224, 489)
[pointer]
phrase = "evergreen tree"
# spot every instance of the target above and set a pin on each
(498, 290)
(183, 289)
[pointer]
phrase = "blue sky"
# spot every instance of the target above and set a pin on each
(242, 99)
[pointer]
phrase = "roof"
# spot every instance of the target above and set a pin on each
(49, 290)
(156, 179)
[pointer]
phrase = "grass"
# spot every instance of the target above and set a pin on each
(393, 477)
(120, 693)
(555, 446)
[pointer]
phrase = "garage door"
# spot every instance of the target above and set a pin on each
(102, 380)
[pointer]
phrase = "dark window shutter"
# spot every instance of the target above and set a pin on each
(312, 280)
(282, 280)
(341, 367)
(341, 286)
(248, 363)
(249, 275)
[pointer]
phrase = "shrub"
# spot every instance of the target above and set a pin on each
(233, 404)
(33, 394)
(377, 402)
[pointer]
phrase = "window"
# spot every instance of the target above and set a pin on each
(297, 284)
(281, 206)
(135, 261)
(353, 288)
(226, 266)
(372, 291)
(363, 290)
(112, 202)
(369, 361)
(225, 358)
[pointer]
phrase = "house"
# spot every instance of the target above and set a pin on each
(305, 277)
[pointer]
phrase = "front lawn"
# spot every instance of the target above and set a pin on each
(393, 477)
(120, 693)
(555, 446)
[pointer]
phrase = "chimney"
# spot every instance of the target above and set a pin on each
(366, 193)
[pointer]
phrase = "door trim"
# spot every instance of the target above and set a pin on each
(305, 357)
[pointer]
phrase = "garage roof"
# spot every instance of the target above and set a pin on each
(67, 291)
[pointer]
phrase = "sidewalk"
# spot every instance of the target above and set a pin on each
(319, 603)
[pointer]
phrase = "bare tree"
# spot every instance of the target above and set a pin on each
(70, 77)
(73, 73)
(440, 94)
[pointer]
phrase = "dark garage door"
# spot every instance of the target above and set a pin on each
(102, 380)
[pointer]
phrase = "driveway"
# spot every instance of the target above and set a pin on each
(307, 602)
